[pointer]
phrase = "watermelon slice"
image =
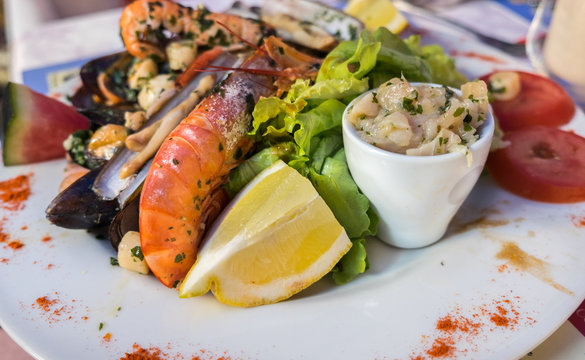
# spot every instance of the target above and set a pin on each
(34, 126)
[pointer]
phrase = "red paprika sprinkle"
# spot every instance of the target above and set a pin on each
(14, 192)
(45, 304)
(47, 238)
(440, 349)
(3, 236)
(471, 54)
(446, 324)
(457, 333)
(106, 338)
(578, 221)
(499, 320)
(15, 244)
(140, 353)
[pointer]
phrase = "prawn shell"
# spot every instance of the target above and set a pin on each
(182, 191)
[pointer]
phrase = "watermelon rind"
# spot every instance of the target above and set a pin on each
(34, 126)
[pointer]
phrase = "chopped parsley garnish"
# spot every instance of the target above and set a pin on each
(459, 111)
(179, 257)
(408, 105)
(137, 253)
(204, 23)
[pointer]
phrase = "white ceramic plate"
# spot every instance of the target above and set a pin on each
(391, 312)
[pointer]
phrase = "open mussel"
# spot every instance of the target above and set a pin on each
(106, 77)
(92, 69)
(105, 83)
(126, 220)
(309, 24)
(79, 207)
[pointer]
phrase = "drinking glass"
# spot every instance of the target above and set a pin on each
(555, 44)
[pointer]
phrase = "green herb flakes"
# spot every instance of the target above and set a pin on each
(137, 253)
(180, 257)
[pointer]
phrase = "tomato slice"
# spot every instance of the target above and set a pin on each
(541, 163)
(540, 102)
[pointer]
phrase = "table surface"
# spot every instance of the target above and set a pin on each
(36, 48)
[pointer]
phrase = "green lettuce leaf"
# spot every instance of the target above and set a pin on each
(353, 263)
(324, 117)
(350, 207)
(380, 52)
(325, 146)
(275, 116)
(251, 167)
(326, 89)
(337, 188)
(278, 119)
(442, 66)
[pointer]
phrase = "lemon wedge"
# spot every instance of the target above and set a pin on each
(277, 237)
(376, 13)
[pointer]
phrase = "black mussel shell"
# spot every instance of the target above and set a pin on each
(115, 67)
(79, 207)
(106, 115)
(126, 220)
(83, 98)
(79, 153)
(90, 71)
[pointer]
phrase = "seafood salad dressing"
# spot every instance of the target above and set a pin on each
(420, 119)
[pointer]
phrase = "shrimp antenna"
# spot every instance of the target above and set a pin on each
(239, 37)
(213, 68)
(249, 70)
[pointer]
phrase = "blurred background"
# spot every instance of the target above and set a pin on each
(17, 17)
(3, 50)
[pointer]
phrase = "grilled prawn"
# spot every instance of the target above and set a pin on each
(143, 20)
